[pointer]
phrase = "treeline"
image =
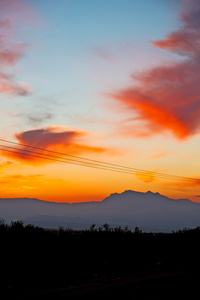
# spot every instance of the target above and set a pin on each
(34, 257)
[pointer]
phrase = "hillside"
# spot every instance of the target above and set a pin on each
(100, 263)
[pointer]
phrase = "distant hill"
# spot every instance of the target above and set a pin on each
(148, 211)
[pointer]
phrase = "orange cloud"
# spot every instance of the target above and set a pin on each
(4, 164)
(167, 98)
(50, 138)
(158, 116)
(187, 183)
(165, 180)
(146, 177)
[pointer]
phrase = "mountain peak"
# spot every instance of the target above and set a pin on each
(150, 193)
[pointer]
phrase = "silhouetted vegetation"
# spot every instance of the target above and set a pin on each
(34, 258)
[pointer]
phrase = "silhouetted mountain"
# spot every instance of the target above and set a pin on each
(149, 211)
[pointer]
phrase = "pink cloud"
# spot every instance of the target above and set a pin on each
(11, 50)
(16, 11)
(186, 40)
(167, 98)
(8, 57)
(18, 89)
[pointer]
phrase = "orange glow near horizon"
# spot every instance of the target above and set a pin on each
(71, 183)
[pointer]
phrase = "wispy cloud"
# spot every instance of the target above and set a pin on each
(104, 54)
(12, 184)
(164, 178)
(167, 98)
(39, 118)
(11, 50)
(4, 164)
(191, 183)
(159, 155)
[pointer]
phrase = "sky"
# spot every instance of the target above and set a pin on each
(108, 81)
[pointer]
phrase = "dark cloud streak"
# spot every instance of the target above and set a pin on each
(51, 138)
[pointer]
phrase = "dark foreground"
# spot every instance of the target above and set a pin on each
(101, 263)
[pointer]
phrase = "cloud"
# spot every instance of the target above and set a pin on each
(4, 164)
(146, 177)
(167, 98)
(184, 183)
(21, 183)
(164, 179)
(39, 118)
(54, 138)
(186, 40)
(16, 89)
(11, 50)
(104, 54)
(16, 11)
(46, 137)
(34, 118)
(158, 155)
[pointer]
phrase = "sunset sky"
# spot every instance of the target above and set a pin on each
(115, 81)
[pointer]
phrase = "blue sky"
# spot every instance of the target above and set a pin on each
(80, 49)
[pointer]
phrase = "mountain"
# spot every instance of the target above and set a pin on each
(148, 211)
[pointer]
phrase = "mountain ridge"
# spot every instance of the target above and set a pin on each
(112, 194)
(129, 208)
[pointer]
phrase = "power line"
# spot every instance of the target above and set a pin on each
(86, 162)
(78, 162)
(59, 159)
(91, 160)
